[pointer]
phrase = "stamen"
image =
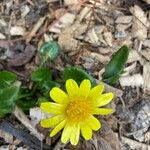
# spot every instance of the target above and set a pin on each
(78, 110)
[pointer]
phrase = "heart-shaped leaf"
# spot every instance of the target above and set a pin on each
(50, 50)
(41, 74)
(77, 74)
(7, 99)
(7, 78)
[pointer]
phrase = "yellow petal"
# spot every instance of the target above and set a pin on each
(59, 127)
(96, 91)
(50, 107)
(58, 95)
(86, 132)
(72, 87)
(104, 99)
(67, 132)
(93, 123)
(74, 138)
(50, 122)
(85, 87)
(102, 111)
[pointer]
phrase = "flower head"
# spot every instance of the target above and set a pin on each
(73, 111)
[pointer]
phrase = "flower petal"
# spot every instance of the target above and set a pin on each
(85, 87)
(102, 111)
(86, 132)
(58, 95)
(104, 99)
(72, 87)
(67, 132)
(94, 123)
(50, 122)
(74, 138)
(96, 91)
(50, 107)
(59, 127)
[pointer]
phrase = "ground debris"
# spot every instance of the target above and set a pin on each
(25, 55)
(142, 120)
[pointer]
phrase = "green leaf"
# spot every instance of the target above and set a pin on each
(112, 80)
(46, 86)
(7, 99)
(116, 65)
(7, 78)
(50, 49)
(26, 103)
(77, 74)
(41, 100)
(41, 74)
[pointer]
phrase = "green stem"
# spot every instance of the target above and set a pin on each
(43, 61)
(23, 96)
(34, 87)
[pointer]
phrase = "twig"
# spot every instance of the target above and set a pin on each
(30, 140)
(18, 113)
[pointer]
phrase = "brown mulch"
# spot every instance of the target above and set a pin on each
(89, 33)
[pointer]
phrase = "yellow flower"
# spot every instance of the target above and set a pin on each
(74, 110)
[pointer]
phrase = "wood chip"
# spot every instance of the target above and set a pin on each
(24, 10)
(135, 80)
(146, 77)
(64, 21)
(146, 54)
(92, 36)
(129, 69)
(6, 136)
(3, 23)
(86, 12)
(2, 36)
(122, 27)
(101, 58)
(66, 40)
(140, 23)
(134, 144)
(17, 30)
(71, 2)
(36, 115)
(108, 38)
(35, 29)
(146, 43)
(124, 19)
(108, 88)
(133, 56)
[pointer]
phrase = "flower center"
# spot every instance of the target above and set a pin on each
(78, 110)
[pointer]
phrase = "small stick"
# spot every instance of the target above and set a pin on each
(19, 114)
